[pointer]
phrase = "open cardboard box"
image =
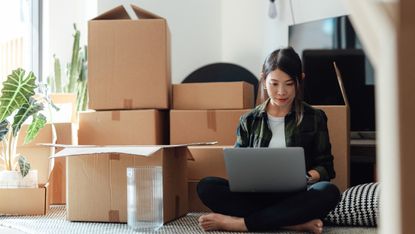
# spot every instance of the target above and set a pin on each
(97, 181)
(339, 130)
(128, 60)
(30, 201)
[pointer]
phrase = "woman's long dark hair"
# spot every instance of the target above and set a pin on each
(288, 61)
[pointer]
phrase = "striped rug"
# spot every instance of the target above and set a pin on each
(55, 222)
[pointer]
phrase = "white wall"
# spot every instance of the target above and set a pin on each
(202, 31)
(249, 35)
(195, 30)
(309, 10)
(58, 19)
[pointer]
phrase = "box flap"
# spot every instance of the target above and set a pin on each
(143, 14)
(143, 150)
(120, 12)
(116, 13)
(134, 150)
(341, 85)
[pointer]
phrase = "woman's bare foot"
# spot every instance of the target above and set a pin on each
(314, 226)
(214, 221)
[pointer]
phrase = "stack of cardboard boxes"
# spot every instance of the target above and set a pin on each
(207, 112)
(129, 88)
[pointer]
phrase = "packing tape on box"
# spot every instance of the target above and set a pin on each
(128, 104)
(116, 116)
(114, 216)
(211, 120)
(114, 156)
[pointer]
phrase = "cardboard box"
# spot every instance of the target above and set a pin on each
(339, 131)
(128, 61)
(37, 156)
(67, 113)
(204, 125)
(30, 201)
(195, 204)
(213, 96)
(24, 201)
(97, 185)
(67, 133)
(134, 127)
(208, 161)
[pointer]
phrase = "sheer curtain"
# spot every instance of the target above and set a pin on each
(19, 41)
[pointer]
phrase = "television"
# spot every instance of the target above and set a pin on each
(322, 42)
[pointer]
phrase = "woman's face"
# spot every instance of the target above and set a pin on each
(280, 88)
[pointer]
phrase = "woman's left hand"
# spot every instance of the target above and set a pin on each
(314, 176)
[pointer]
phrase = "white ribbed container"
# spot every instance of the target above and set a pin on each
(14, 179)
(145, 198)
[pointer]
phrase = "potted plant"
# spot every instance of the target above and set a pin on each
(19, 101)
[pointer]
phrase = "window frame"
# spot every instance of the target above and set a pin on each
(36, 38)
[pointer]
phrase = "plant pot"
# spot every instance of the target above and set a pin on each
(13, 179)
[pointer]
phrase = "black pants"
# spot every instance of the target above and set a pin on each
(269, 211)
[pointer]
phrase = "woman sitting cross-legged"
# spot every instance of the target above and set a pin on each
(282, 120)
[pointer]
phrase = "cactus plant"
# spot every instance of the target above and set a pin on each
(76, 74)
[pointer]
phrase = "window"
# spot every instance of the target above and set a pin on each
(19, 36)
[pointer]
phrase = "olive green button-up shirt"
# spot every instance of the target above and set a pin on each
(311, 134)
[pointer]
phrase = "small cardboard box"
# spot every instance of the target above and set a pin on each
(24, 201)
(132, 127)
(204, 125)
(208, 161)
(128, 61)
(97, 182)
(213, 96)
(30, 201)
(195, 204)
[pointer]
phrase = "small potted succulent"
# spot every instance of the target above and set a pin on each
(19, 101)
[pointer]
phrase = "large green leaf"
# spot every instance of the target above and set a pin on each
(4, 129)
(24, 165)
(38, 122)
(17, 90)
(25, 112)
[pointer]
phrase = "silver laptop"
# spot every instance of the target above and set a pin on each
(266, 169)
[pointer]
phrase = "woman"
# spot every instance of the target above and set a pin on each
(282, 120)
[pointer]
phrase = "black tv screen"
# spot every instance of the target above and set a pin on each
(321, 86)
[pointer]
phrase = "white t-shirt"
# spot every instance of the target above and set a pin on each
(277, 126)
